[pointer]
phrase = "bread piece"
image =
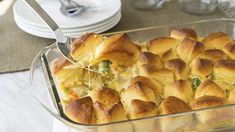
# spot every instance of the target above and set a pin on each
(160, 46)
(229, 49)
(107, 114)
(189, 49)
(231, 97)
(147, 58)
(59, 72)
(83, 47)
(139, 91)
(140, 109)
(209, 88)
(106, 96)
(155, 85)
(213, 118)
(81, 111)
(201, 68)
(181, 34)
(179, 67)
(216, 40)
(224, 70)
(119, 49)
(180, 89)
(169, 55)
(163, 75)
(172, 105)
(213, 54)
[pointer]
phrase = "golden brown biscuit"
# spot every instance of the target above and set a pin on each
(216, 40)
(107, 114)
(229, 49)
(160, 46)
(172, 105)
(180, 89)
(119, 49)
(179, 67)
(169, 55)
(82, 47)
(189, 49)
(201, 68)
(81, 111)
(213, 54)
(106, 96)
(213, 118)
(155, 85)
(147, 58)
(224, 70)
(181, 34)
(163, 75)
(139, 91)
(209, 88)
(140, 109)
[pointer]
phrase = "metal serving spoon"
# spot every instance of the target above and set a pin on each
(70, 8)
(62, 42)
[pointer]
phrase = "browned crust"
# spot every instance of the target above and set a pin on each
(202, 67)
(189, 49)
(172, 105)
(207, 101)
(230, 64)
(105, 96)
(80, 110)
(213, 54)
(141, 107)
(79, 42)
(58, 64)
(177, 65)
(183, 33)
(149, 58)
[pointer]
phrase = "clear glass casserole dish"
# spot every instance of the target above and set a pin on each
(209, 119)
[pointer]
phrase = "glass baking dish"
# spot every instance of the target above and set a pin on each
(210, 119)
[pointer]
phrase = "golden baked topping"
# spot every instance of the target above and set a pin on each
(181, 34)
(207, 101)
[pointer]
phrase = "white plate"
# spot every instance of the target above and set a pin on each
(34, 32)
(106, 10)
(82, 29)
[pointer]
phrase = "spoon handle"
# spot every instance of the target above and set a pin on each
(47, 19)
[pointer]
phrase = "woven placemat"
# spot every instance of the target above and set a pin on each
(17, 48)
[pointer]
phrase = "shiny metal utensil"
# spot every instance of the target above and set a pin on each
(62, 42)
(70, 8)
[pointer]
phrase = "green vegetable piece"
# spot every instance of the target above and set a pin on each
(104, 67)
(195, 83)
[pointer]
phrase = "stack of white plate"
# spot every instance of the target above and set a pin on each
(104, 15)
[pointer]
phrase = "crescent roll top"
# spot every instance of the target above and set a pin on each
(139, 91)
(229, 49)
(153, 84)
(201, 68)
(82, 47)
(147, 58)
(81, 111)
(224, 70)
(180, 89)
(119, 49)
(216, 40)
(206, 102)
(105, 114)
(213, 54)
(189, 49)
(179, 67)
(181, 34)
(209, 88)
(140, 109)
(172, 105)
(160, 46)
